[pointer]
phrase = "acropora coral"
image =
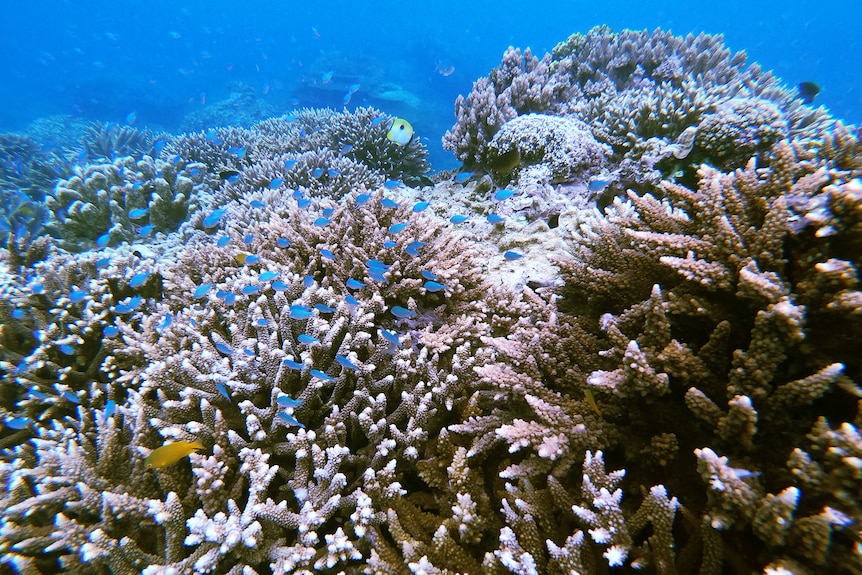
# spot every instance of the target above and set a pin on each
(352, 382)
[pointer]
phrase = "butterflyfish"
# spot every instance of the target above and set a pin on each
(171, 453)
(401, 132)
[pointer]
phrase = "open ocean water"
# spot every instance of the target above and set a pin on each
(154, 63)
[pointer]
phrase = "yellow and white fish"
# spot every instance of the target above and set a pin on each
(401, 132)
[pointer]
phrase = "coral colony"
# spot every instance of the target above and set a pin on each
(625, 336)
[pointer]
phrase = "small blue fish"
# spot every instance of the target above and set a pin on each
(77, 296)
(18, 423)
(257, 204)
(202, 290)
(350, 300)
(146, 230)
(494, 219)
(378, 120)
(433, 286)
(224, 348)
(103, 240)
(458, 219)
(275, 183)
(402, 312)
(138, 280)
(166, 323)
(283, 242)
(308, 281)
(377, 275)
(327, 212)
(307, 339)
(289, 363)
(18, 314)
(287, 401)
(223, 390)
(512, 256)
(361, 199)
(413, 248)
(102, 263)
(71, 397)
(138, 213)
(300, 312)
(429, 275)
(223, 241)
(280, 286)
(345, 149)
(317, 172)
(266, 276)
(248, 239)
(395, 228)
(214, 218)
(239, 152)
(289, 419)
(388, 203)
(288, 164)
(260, 322)
(110, 331)
(303, 203)
(346, 99)
(327, 254)
(221, 294)
(159, 145)
(321, 222)
(420, 207)
(248, 351)
(110, 407)
(391, 184)
(66, 349)
(390, 336)
(389, 244)
(323, 308)
(598, 185)
(354, 284)
(320, 375)
(332, 172)
(377, 264)
(252, 259)
(250, 290)
(233, 178)
(38, 289)
(344, 362)
(504, 195)
(230, 299)
(463, 177)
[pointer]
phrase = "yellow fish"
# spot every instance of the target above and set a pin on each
(401, 132)
(171, 453)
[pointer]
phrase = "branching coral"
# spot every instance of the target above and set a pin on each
(640, 92)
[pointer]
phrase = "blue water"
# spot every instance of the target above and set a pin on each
(155, 62)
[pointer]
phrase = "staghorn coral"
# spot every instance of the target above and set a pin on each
(727, 349)
(266, 497)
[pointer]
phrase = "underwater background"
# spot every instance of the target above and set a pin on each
(430, 288)
(161, 61)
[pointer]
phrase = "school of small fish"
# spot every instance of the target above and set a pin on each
(214, 222)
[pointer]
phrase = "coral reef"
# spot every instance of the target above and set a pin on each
(260, 350)
(112, 141)
(650, 95)
(114, 202)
